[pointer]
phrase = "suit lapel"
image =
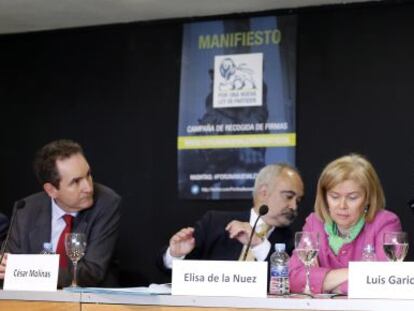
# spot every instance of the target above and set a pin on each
(42, 225)
(81, 221)
(282, 235)
(237, 249)
(273, 238)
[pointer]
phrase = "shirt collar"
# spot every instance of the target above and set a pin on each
(57, 212)
(253, 217)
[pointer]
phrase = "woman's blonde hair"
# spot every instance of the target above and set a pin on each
(358, 169)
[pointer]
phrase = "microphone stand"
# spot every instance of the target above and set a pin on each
(17, 205)
(262, 211)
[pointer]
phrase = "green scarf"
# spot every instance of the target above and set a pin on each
(335, 241)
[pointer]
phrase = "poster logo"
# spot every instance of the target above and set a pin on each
(238, 80)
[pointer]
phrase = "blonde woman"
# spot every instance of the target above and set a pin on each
(349, 214)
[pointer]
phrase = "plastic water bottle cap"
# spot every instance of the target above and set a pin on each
(369, 248)
(47, 246)
(280, 247)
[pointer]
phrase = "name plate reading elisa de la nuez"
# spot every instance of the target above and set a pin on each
(219, 278)
(381, 280)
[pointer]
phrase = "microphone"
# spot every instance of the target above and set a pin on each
(262, 211)
(17, 205)
(410, 204)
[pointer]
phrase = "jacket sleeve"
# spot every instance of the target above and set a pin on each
(384, 222)
(200, 232)
(102, 236)
(202, 235)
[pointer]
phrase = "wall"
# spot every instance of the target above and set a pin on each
(115, 90)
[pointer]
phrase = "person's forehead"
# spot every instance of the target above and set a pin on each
(72, 167)
(347, 185)
(289, 181)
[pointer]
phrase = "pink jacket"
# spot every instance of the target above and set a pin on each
(371, 233)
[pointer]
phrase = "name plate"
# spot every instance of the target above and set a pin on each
(31, 272)
(219, 278)
(381, 280)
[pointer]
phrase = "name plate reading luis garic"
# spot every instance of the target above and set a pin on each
(381, 280)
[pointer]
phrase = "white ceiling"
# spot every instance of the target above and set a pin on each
(34, 15)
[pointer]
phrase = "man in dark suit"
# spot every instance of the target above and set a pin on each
(69, 193)
(223, 235)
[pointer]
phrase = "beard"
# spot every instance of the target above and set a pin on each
(288, 215)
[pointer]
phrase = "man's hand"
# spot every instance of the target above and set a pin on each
(241, 231)
(182, 243)
(3, 266)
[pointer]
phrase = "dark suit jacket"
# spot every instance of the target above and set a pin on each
(100, 223)
(213, 242)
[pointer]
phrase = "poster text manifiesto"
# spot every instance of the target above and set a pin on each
(237, 39)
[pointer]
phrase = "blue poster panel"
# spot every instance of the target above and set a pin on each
(237, 104)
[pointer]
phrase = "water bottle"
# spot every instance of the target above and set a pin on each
(368, 253)
(47, 248)
(279, 271)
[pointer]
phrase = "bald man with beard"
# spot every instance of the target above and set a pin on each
(221, 235)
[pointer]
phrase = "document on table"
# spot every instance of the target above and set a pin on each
(152, 289)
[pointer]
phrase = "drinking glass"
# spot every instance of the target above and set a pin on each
(395, 245)
(306, 248)
(75, 244)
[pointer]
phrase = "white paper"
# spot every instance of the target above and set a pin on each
(31, 272)
(219, 278)
(381, 280)
(152, 289)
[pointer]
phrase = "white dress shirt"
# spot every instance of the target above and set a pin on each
(58, 223)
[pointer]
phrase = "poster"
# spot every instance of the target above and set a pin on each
(237, 104)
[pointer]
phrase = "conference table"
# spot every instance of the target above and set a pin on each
(70, 301)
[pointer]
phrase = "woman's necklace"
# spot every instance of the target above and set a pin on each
(345, 234)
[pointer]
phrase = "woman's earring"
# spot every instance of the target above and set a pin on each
(366, 209)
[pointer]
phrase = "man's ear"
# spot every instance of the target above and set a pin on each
(50, 190)
(263, 193)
